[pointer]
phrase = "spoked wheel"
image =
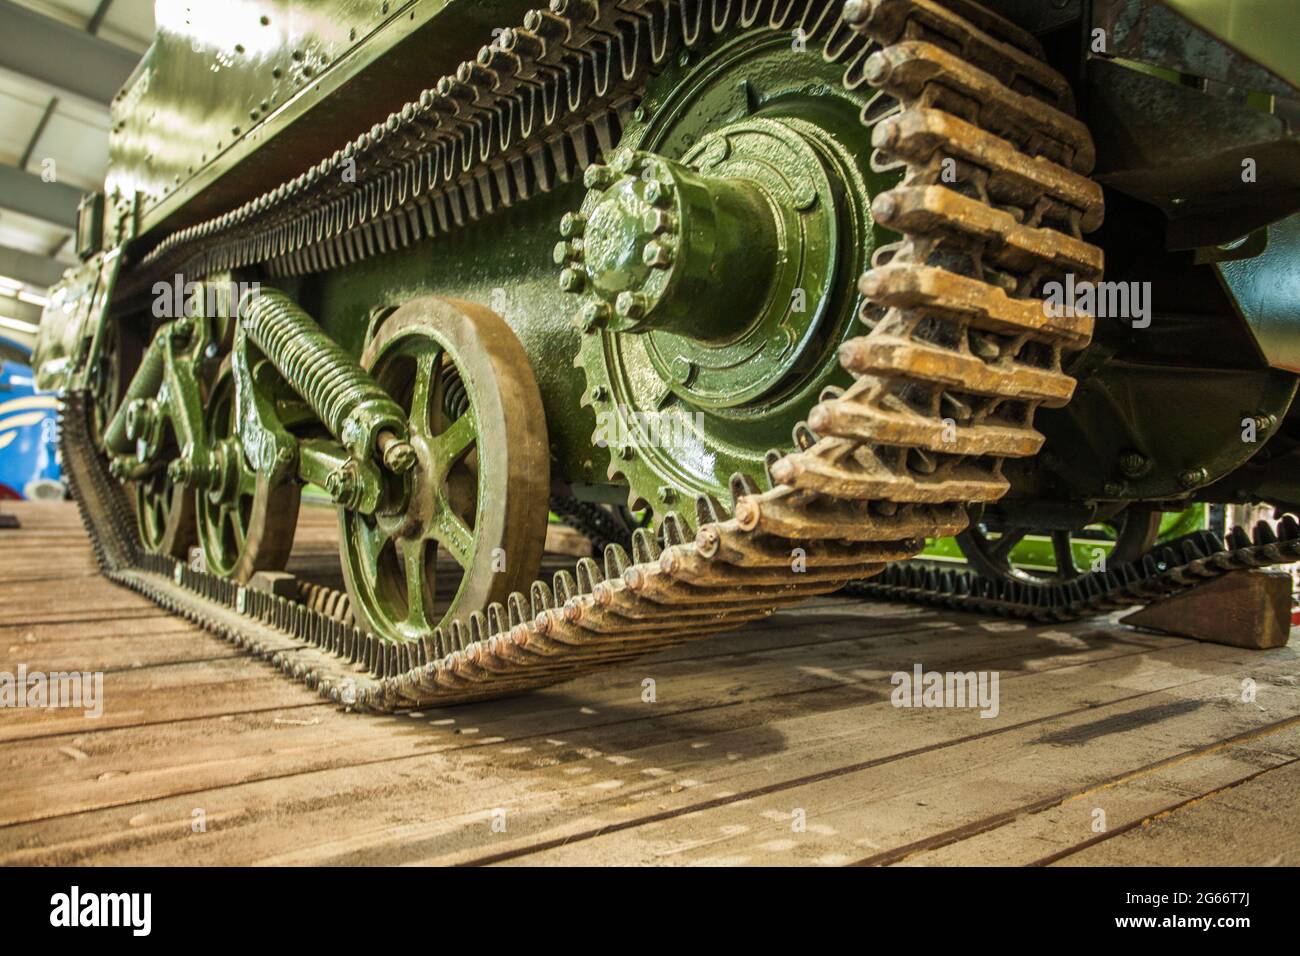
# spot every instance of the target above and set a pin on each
(245, 525)
(477, 496)
(1007, 553)
(164, 514)
(119, 357)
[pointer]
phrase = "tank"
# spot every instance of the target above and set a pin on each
(762, 294)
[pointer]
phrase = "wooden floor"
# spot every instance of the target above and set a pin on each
(774, 745)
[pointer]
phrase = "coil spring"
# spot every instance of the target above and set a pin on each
(455, 399)
(316, 367)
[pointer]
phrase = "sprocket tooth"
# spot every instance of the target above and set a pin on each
(645, 550)
(708, 510)
(616, 561)
(588, 574)
(565, 587)
(636, 502)
(741, 486)
(675, 530)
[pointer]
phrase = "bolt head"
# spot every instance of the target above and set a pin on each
(597, 177)
(657, 222)
(623, 161)
(658, 193)
(572, 224)
(591, 317)
(565, 252)
(657, 255)
(571, 280)
(630, 305)
(399, 457)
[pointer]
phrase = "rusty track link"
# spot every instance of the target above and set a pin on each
(959, 352)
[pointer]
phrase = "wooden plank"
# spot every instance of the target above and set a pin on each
(1066, 829)
(165, 759)
(883, 812)
(122, 652)
(562, 791)
(159, 694)
(1251, 822)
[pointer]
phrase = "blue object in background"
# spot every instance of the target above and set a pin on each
(29, 422)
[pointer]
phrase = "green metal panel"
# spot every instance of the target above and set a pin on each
(236, 97)
(1266, 288)
(1265, 30)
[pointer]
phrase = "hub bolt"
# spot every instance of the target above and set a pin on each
(399, 455)
(592, 316)
(571, 280)
(657, 255)
(179, 471)
(597, 177)
(656, 221)
(623, 161)
(341, 485)
(566, 252)
(572, 224)
(658, 193)
(630, 305)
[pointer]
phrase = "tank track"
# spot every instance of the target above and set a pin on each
(958, 355)
(1166, 569)
(599, 526)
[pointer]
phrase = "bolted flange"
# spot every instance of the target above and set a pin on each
(668, 248)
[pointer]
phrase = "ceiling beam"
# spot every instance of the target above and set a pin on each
(27, 193)
(37, 133)
(62, 56)
(97, 18)
(28, 267)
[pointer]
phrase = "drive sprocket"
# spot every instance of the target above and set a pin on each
(692, 382)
